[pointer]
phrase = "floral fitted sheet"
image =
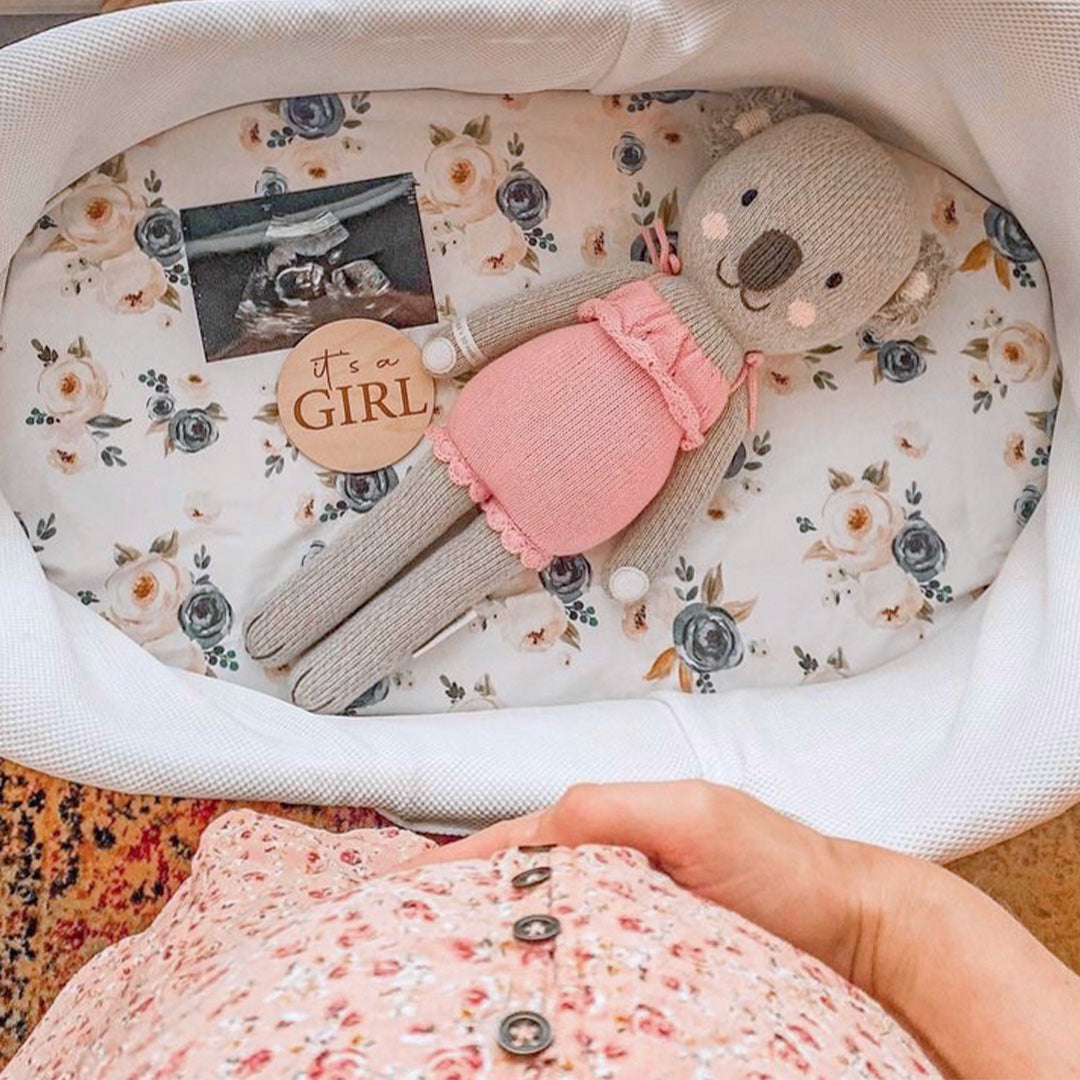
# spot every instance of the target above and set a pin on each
(888, 478)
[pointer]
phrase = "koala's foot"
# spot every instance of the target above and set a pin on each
(353, 568)
(397, 621)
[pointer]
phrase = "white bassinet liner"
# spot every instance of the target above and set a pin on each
(960, 437)
(966, 740)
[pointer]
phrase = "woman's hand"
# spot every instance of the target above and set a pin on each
(821, 894)
(979, 992)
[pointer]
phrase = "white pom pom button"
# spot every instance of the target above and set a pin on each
(438, 355)
(628, 584)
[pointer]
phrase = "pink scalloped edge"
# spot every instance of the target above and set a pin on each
(461, 473)
(459, 469)
(513, 539)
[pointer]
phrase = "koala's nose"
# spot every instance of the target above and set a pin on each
(769, 261)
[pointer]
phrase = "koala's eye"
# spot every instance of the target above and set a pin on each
(833, 280)
(748, 196)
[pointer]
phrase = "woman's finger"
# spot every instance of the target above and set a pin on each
(481, 845)
(654, 818)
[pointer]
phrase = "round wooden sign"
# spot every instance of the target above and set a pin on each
(354, 396)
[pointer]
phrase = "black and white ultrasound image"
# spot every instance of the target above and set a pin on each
(267, 271)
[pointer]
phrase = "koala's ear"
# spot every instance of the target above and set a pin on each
(751, 111)
(919, 291)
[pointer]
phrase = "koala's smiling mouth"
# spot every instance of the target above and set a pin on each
(769, 261)
(742, 291)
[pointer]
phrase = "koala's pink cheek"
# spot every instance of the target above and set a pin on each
(714, 226)
(801, 313)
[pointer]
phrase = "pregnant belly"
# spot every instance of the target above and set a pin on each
(570, 436)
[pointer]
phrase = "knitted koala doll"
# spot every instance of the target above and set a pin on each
(610, 402)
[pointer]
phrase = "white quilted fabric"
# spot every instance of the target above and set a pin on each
(965, 740)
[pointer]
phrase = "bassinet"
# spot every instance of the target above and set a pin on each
(968, 739)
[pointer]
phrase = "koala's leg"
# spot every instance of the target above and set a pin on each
(652, 540)
(361, 561)
(401, 618)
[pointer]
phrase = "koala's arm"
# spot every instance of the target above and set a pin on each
(468, 342)
(652, 540)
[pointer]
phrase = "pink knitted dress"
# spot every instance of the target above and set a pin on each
(564, 440)
(294, 954)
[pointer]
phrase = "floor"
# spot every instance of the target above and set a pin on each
(17, 27)
(81, 868)
(1036, 876)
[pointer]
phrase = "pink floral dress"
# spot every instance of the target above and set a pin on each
(294, 954)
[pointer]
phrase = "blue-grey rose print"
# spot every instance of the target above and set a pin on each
(919, 550)
(371, 696)
(358, 492)
(1007, 247)
(1025, 504)
(205, 615)
(314, 116)
(629, 154)
(160, 236)
(567, 578)
(1007, 235)
(315, 549)
(641, 101)
(160, 406)
(669, 97)
(186, 430)
(706, 638)
(522, 198)
(192, 430)
(271, 182)
(738, 460)
(895, 361)
(900, 361)
(363, 490)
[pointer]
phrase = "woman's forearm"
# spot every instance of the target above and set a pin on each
(968, 980)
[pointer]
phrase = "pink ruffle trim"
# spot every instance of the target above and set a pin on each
(461, 473)
(682, 409)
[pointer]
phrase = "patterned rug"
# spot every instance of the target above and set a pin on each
(81, 868)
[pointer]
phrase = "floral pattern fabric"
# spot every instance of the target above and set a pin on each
(294, 953)
(887, 480)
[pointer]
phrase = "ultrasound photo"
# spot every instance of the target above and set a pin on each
(267, 271)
